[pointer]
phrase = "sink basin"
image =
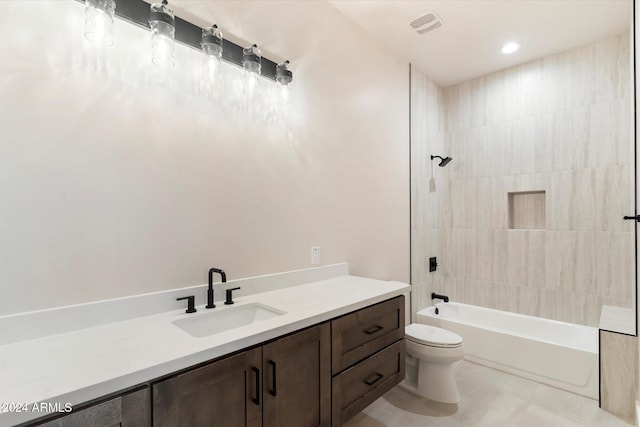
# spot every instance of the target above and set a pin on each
(225, 318)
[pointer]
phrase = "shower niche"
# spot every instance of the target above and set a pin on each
(527, 210)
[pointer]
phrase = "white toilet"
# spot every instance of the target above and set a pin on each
(431, 353)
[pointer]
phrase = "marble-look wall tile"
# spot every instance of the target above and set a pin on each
(462, 163)
(484, 203)
(499, 260)
(614, 264)
(560, 125)
(538, 302)
(614, 198)
(426, 205)
(571, 202)
(453, 213)
(427, 138)
(547, 304)
(571, 146)
(500, 148)
(517, 257)
(478, 292)
(570, 261)
(494, 96)
(544, 142)
(529, 89)
(500, 204)
(470, 193)
(510, 82)
(469, 253)
(619, 374)
(610, 132)
(578, 307)
(477, 89)
(458, 106)
(568, 79)
(612, 68)
(453, 263)
(484, 251)
(449, 286)
(618, 302)
(522, 146)
(536, 259)
(482, 153)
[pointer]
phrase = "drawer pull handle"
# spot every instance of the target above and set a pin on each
(256, 399)
(273, 392)
(372, 330)
(373, 378)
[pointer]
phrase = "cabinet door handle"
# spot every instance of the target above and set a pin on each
(373, 378)
(256, 399)
(373, 329)
(273, 391)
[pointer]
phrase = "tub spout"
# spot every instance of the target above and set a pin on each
(442, 297)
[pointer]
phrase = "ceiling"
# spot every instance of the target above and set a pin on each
(468, 43)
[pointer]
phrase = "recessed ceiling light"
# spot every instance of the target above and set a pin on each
(510, 48)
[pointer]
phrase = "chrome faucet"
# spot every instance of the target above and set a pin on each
(210, 303)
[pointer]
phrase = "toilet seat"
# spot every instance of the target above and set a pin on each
(432, 336)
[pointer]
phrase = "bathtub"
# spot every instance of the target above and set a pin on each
(563, 355)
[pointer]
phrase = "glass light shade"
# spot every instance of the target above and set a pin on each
(283, 75)
(252, 59)
(98, 21)
(162, 24)
(211, 42)
(252, 67)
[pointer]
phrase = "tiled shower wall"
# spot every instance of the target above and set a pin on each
(559, 125)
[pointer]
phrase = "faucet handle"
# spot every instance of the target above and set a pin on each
(229, 294)
(191, 305)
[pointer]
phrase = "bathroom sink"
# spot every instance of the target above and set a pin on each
(225, 318)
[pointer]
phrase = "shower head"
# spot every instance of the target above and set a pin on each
(444, 161)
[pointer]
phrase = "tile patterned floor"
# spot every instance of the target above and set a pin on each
(489, 398)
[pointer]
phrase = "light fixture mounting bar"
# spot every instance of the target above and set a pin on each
(137, 12)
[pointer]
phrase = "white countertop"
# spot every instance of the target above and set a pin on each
(82, 365)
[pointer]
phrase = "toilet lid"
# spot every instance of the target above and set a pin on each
(431, 335)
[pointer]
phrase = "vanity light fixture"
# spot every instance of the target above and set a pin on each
(252, 66)
(162, 23)
(284, 77)
(211, 44)
(98, 21)
(509, 48)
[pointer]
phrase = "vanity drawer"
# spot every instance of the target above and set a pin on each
(358, 386)
(357, 335)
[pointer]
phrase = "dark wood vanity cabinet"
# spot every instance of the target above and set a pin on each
(368, 356)
(223, 393)
(297, 379)
(286, 382)
(128, 410)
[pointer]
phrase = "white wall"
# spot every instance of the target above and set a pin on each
(116, 180)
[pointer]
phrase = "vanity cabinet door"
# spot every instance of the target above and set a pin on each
(223, 393)
(129, 410)
(297, 379)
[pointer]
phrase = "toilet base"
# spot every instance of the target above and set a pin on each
(436, 382)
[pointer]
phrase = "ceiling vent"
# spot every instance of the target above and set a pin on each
(427, 22)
